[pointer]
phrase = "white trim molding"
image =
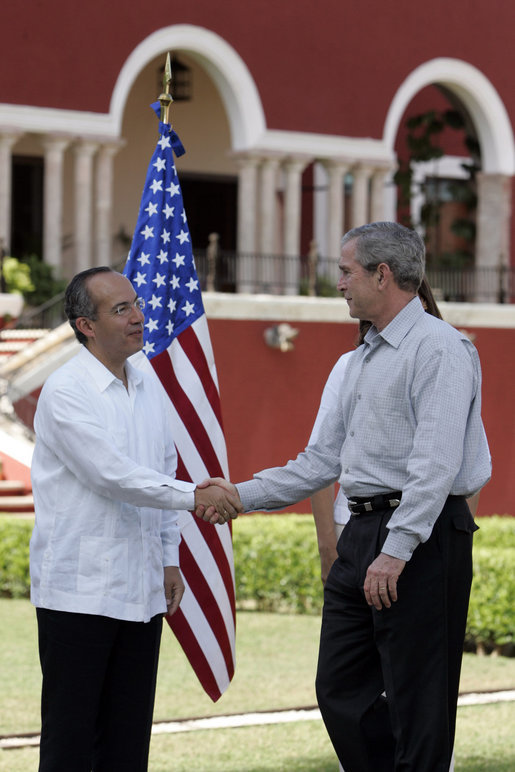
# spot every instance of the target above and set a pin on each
(486, 108)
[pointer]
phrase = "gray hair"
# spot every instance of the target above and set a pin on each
(78, 301)
(402, 249)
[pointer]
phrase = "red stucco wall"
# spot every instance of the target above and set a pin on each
(332, 67)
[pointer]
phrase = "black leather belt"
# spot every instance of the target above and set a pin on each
(381, 501)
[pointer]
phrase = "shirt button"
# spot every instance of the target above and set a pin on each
(359, 396)
(347, 471)
(352, 434)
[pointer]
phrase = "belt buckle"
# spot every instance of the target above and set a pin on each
(394, 502)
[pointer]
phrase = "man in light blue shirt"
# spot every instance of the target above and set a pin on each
(408, 446)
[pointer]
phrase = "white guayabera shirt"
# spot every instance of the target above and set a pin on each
(104, 493)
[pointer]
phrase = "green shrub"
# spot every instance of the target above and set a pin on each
(277, 569)
(276, 563)
(14, 557)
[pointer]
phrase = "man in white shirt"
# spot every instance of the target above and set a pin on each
(407, 444)
(104, 551)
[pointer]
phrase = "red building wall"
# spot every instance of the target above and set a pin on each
(332, 67)
(270, 398)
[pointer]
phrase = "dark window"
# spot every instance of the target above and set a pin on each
(27, 206)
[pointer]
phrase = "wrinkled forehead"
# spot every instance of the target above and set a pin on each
(108, 290)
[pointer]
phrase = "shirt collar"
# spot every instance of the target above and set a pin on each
(103, 377)
(396, 331)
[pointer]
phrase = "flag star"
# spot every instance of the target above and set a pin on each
(159, 280)
(148, 348)
(144, 259)
(168, 211)
(183, 215)
(162, 257)
(156, 185)
(192, 284)
(189, 308)
(152, 325)
(165, 235)
(140, 278)
(151, 209)
(175, 282)
(147, 232)
(172, 305)
(164, 142)
(155, 302)
(169, 327)
(173, 189)
(160, 164)
(178, 259)
(183, 236)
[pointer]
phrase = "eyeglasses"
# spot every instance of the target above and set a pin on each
(124, 309)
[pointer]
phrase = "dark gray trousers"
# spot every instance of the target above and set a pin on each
(412, 651)
(99, 679)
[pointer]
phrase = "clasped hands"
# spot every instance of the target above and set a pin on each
(217, 501)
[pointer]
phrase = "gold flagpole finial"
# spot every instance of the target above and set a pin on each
(165, 98)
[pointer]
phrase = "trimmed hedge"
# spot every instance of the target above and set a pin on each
(14, 557)
(277, 569)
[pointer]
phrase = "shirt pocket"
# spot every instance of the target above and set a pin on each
(103, 566)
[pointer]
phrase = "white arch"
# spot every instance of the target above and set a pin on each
(225, 66)
(495, 132)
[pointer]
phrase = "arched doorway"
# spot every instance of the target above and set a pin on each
(493, 130)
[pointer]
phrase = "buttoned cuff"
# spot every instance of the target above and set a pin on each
(182, 495)
(250, 493)
(400, 545)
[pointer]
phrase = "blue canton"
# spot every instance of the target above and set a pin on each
(161, 265)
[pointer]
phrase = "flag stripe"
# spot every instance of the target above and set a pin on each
(208, 602)
(166, 373)
(212, 538)
(194, 653)
(194, 351)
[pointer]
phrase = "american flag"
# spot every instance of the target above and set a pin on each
(162, 270)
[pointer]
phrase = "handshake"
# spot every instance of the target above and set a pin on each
(217, 501)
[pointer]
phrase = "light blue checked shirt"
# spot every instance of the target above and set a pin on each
(408, 418)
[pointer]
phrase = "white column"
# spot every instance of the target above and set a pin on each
(293, 169)
(377, 195)
(336, 171)
(104, 202)
(84, 153)
(360, 198)
(7, 140)
(246, 235)
(493, 231)
(53, 200)
(268, 205)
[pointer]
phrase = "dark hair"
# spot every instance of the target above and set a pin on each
(402, 249)
(425, 294)
(78, 301)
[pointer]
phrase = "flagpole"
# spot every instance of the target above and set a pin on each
(165, 99)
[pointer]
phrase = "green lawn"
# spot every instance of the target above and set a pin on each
(276, 660)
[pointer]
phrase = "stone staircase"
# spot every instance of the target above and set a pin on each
(14, 498)
(12, 340)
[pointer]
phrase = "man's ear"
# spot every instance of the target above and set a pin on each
(85, 326)
(383, 274)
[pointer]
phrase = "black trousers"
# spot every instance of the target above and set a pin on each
(412, 651)
(99, 679)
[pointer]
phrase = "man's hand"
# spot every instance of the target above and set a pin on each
(217, 501)
(381, 580)
(174, 588)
